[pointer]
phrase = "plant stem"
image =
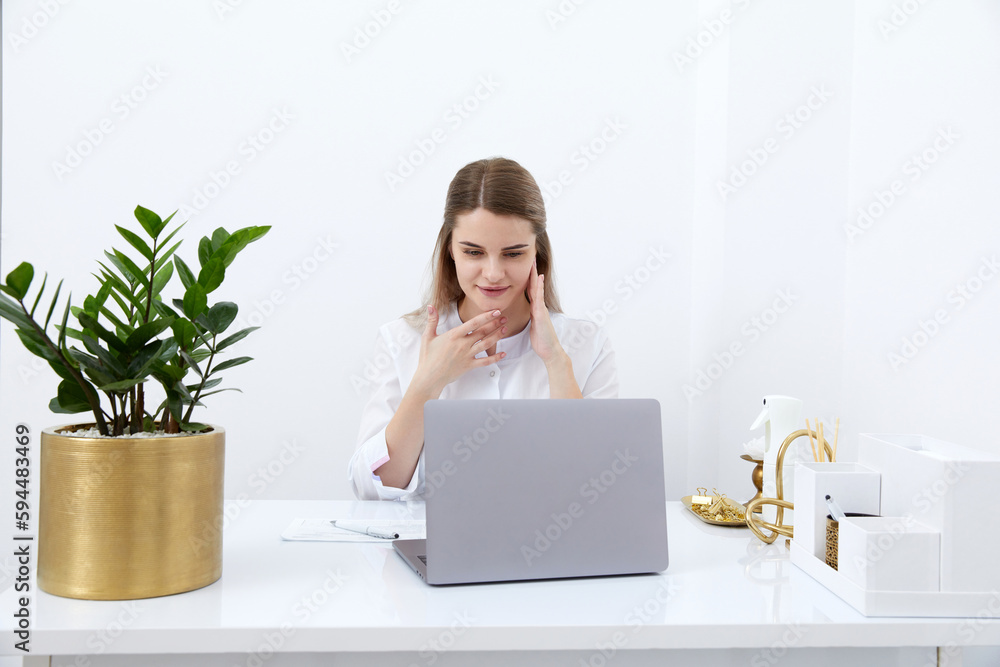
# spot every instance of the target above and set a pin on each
(204, 379)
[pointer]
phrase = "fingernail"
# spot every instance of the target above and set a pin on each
(496, 313)
(503, 330)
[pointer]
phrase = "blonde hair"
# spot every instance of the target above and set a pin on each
(502, 187)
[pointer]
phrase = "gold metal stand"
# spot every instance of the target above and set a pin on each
(757, 524)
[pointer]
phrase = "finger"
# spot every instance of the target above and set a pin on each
(488, 340)
(488, 361)
(477, 322)
(430, 330)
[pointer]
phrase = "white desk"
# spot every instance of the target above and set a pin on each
(725, 595)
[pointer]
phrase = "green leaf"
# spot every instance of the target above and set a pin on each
(133, 268)
(145, 358)
(191, 362)
(111, 363)
(71, 398)
(163, 310)
(219, 391)
(167, 254)
(229, 363)
(184, 271)
(33, 342)
(9, 310)
(204, 250)
(55, 299)
(65, 318)
(195, 301)
(161, 278)
(136, 242)
(93, 367)
(235, 338)
(39, 297)
(121, 385)
(111, 339)
(173, 233)
(219, 236)
(150, 221)
(194, 427)
(144, 333)
(209, 384)
(19, 280)
(184, 333)
(212, 274)
(221, 315)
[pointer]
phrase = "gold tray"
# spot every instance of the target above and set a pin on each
(728, 501)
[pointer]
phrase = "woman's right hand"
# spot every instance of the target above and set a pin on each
(446, 357)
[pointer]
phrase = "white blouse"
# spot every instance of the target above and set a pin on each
(521, 374)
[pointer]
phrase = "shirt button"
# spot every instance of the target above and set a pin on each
(492, 373)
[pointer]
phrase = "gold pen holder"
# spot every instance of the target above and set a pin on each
(755, 519)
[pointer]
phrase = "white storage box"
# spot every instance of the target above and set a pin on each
(889, 553)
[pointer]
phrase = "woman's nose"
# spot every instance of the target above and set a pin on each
(493, 270)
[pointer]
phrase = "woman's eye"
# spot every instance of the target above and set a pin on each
(514, 254)
(472, 253)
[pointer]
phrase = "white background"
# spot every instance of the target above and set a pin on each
(692, 91)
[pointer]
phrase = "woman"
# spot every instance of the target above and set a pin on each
(492, 328)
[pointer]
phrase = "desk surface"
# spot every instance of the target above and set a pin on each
(723, 589)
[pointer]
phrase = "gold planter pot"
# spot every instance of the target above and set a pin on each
(129, 518)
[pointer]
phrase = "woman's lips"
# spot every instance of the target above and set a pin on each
(493, 291)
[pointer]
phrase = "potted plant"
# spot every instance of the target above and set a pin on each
(130, 505)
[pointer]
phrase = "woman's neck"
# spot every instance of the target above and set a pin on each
(517, 314)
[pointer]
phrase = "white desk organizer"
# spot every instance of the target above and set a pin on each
(932, 552)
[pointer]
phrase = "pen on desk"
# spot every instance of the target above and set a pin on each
(371, 532)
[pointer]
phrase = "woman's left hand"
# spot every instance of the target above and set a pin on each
(543, 337)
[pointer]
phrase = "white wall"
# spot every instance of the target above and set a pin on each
(339, 124)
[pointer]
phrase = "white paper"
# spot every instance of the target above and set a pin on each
(322, 530)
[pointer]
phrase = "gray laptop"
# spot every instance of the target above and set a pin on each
(540, 489)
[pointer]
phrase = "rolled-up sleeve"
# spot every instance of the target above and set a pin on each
(372, 451)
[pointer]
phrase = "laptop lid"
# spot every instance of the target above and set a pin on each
(539, 489)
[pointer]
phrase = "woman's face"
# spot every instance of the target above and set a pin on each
(493, 258)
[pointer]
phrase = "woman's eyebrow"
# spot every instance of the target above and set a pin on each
(510, 247)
